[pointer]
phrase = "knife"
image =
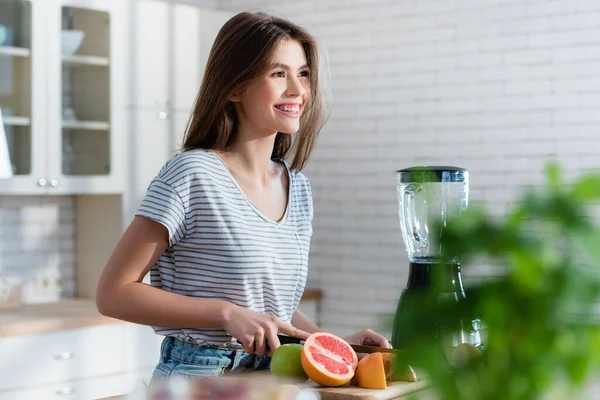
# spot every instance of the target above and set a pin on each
(359, 348)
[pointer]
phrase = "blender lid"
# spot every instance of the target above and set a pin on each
(433, 173)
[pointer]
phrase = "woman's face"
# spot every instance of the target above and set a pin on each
(274, 101)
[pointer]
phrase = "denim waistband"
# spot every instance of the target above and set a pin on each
(193, 353)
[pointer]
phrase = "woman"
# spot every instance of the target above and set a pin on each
(225, 226)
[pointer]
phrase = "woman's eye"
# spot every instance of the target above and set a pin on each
(279, 74)
(304, 73)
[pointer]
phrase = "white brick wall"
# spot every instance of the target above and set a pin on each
(497, 86)
(37, 245)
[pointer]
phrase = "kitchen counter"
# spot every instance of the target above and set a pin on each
(69, 314)
(49, 317)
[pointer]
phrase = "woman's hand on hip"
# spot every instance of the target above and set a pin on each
(253, 330)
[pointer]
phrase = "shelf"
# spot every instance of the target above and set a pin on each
(16, 121)
(86, 125)
(85, 60)
(15, 51)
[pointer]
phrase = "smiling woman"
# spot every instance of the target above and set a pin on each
(274, 101)
(226, 224)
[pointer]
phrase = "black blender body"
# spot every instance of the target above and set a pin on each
(427, 196)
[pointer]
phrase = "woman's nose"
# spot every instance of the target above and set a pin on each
(295, 87)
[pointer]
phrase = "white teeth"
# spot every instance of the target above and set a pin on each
(289, 108)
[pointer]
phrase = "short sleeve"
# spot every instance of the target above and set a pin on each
(164, 205)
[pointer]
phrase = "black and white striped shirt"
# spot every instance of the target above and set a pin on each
(221, 246)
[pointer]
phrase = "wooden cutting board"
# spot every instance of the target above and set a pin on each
(393, 391)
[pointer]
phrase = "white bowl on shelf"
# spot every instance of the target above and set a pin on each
(5, 35)
(71, 40)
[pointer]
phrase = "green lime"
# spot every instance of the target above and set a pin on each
(286, 362)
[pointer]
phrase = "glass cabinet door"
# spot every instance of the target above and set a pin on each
(85, 92)
(19, 119)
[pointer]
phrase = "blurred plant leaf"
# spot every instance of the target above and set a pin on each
(587, 189)
(539, 316)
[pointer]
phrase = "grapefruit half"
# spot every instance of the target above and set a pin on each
(328, 359)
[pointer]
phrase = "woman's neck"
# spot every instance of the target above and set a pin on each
(252, 155)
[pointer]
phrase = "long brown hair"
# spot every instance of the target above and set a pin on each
(241, 52)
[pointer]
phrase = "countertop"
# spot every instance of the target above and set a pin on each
(68, 314)
(49, 317)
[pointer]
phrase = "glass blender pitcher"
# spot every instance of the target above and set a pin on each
(428, 195)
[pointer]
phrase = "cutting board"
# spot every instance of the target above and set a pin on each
(393, 391)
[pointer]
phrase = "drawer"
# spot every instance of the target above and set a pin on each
(142, 347)
(61, 356)
(86, 389)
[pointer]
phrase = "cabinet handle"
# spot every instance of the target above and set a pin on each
(163, 115)
(65, 355)
(65, 391)
(54, 183)
(42, 182)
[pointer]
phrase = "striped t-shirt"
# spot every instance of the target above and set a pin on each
(221, 246)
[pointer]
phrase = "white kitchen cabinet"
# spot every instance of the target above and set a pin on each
(42, 359)
(151, 54)
(150, 144)
(64, 110)
(187, 70)
(86, 389)
(171, 46)
(87, 363)
(172, 43)
(143, 349)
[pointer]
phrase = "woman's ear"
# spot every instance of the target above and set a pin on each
(235, 97)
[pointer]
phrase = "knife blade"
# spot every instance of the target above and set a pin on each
(359, 348)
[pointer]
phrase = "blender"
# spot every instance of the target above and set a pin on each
(428, 197)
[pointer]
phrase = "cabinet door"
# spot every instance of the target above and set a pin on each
(211, 22)
(61, 356)
(86, 389)
(151, 54)
(142, 348)
(186, 67)
(179, 124)
(86, 121)
(22, 96)
(150, 148)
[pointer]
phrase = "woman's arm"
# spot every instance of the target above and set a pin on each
(121, 293)
(301, 321)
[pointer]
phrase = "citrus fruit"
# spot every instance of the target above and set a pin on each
(392, 373)
(370, 372)
(328, 359)
(388, 365)
(286, 362)
(408, 375)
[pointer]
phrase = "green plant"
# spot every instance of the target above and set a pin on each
(542, 339)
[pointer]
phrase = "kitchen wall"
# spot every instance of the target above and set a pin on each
(37, 236)
(37, 245)
(497, 86)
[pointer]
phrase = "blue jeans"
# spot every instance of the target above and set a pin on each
(188, 360)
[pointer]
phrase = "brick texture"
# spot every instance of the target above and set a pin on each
(37, 245)
(498, 87)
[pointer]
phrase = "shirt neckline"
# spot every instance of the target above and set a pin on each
(249, 202)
